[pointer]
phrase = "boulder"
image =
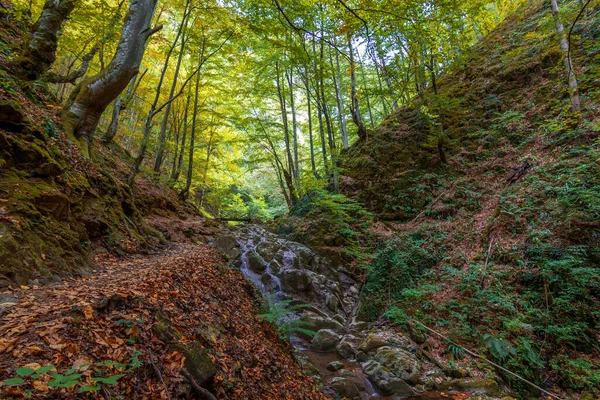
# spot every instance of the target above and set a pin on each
(361, 356)
(481, 386)
(324, 340)
(198, 363)
(269, 281)
(319, 322)
(227, 244)
(400, 362)
(372, 342)
(268, 249)
(347, 347)
(388, 383)
(295, 281)
(255, 263)
(335, 365)
(345, 388)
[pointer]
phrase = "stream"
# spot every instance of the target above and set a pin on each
(286, 270)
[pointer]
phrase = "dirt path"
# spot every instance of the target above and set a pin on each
(136, 317)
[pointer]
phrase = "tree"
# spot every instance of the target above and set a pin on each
(40, 50)
(93, 94)
(564, 46)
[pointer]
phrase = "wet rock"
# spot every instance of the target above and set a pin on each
(387, 382)
(275, 266)
(227, 244)
(361, 356)
(335, 365)
(268, 249)
(295, 281)
(481, 386)
(345, 388)
(400, 362)
(7, 300)
(256, 263)
(332, 303)
(372, 342)
(324, 340)
(347, 347)
(318, 322)
(306, 366)
(199, 364)
(269, 281)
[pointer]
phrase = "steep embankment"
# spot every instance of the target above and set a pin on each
(56, 207)
(496, 248)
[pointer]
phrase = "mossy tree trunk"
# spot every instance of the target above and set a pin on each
(40, 50)
(93, 94)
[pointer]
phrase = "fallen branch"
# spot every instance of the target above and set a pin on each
(157, 371)
(487, 261)
(201, 391)
(486, 360)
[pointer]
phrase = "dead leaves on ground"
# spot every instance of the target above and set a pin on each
(101, 326)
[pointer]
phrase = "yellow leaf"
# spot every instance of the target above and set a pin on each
(88, 311)
(41, 386)
(24, 287)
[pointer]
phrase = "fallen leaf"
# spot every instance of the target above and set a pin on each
(88, 311)
(23, 286)
(41, 386)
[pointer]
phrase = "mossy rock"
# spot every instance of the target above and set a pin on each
(199, 364)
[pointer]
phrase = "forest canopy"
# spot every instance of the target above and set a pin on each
(246, 106)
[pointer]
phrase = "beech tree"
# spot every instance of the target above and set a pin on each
(40, 50)
(93, 94)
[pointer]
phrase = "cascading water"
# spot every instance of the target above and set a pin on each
(282, 269)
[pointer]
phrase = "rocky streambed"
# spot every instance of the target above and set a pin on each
(352, 358)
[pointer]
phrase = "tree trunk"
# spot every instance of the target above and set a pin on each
(337, 82)
(177, 172)
(283, 108)
(185, 193)
(92, 95)
(163, 128)
(310, 129)
(564, 46)
(296, 166)
(154, 109)
(40, 51)
(355, 109)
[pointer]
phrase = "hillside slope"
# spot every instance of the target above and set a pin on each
(56, 207)
(497, 248)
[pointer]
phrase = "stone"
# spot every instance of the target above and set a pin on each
(267, 250)
(324, 340)
(347, 346)
(255, 263)
(385, 380)
(50, 168)
(227, 244)
(481, 386)
(165, 333)
(332, 302)
(335, 365)
(361, 356)
(198, 363)
(372, 342)
(269, 282)
(318, 322)
(11, 118)
(345, 388)
(400, 362)
(275, 266)
(295, 281)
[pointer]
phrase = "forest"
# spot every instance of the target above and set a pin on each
(310, 199)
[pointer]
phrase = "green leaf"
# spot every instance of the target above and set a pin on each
(25, 371)
(13, 382)
(109, 380)
(45, 369)
(89, 388)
